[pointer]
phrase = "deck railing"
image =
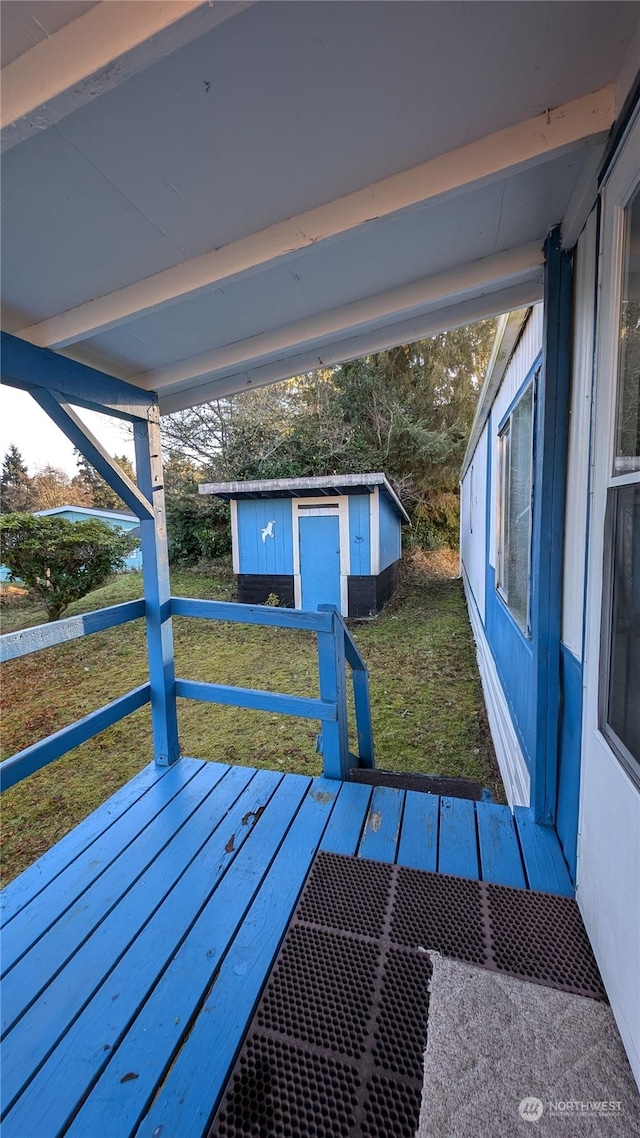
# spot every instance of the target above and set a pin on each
(336, 651)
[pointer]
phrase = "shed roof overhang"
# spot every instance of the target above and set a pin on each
(307, 488)
(201, 198)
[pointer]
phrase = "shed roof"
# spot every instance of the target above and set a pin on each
(307, 488)
(141, 238)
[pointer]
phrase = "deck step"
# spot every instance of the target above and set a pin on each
(470, 788)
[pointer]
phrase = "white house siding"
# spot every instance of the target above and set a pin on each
(473, 527)
(578, 443)
(608, 885)
(528, 347)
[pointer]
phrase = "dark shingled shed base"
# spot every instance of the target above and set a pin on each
(367, 596)
(255, 588)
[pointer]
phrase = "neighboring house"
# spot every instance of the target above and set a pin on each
(120, 518)
(311, 541)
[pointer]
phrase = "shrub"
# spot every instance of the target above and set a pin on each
(59, 560)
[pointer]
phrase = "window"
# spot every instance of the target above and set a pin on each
(627, 457)
(515, 483)
(620, 647)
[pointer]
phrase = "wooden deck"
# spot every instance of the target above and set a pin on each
(135, 950)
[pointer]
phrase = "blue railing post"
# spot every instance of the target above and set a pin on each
(361, 699)
(363, 717)
(333, 687)
(157, 592)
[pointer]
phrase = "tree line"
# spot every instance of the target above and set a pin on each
(406, 412)
(50, 486)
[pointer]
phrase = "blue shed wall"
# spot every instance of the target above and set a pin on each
(390, 534)
(275, 554)
(360, 534)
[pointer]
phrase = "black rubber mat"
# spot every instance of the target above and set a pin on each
(426, 783)
(337, 1041)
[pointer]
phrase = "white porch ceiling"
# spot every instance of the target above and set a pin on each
(221, 195)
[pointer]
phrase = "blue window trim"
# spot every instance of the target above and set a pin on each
(531, 374)
(492, 592)
(525, 636)
(530, 379)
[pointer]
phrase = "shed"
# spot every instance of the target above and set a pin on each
(311, 541)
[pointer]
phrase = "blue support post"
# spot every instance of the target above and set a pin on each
(333, 689)
(548, 530)
(157, 592)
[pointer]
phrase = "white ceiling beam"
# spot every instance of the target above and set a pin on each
(485, 275)
(583, 197)
(509, 151)
(96, 52)
(375, 340)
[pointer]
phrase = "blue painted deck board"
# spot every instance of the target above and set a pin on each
(31, 1039)
(457, 847)
(125, 889)
(382, 827)
(158, 1029)
(418, 848)
(499, 850)
(342, 835)
(130, 953)
(544, 862)
(58, 1086)
(34, 879)
(198, 1077)
(72, 883)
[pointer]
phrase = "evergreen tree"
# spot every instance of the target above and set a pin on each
(15, 482)
(99, 493)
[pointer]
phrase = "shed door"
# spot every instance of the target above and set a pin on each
(320, 561)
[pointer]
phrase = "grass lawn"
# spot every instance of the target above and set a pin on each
(428, 713)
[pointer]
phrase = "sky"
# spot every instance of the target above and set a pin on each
(41, 443)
